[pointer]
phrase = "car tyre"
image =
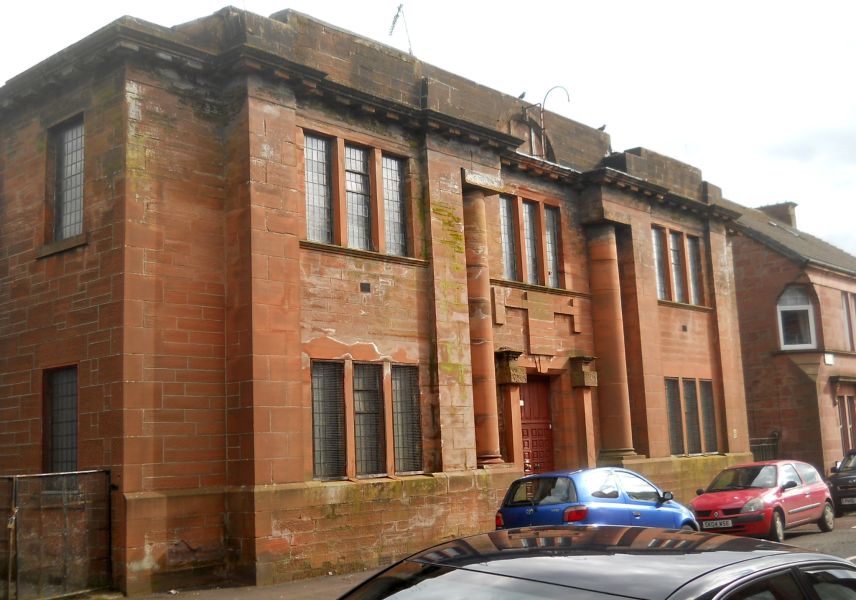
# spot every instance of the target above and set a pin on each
(688, 527)
(827, 519)
(777, 528)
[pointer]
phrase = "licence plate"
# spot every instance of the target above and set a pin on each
(721, 523)
(848, 501)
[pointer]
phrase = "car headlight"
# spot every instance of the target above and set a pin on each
(754, 505)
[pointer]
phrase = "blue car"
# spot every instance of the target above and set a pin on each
(601, 496)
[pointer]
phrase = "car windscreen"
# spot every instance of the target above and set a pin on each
(848, 464)
(541, 490)
(758, 476)
(419, 581)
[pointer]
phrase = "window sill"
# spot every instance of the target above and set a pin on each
(672, 304)
(369, 254)
(538, 288)
(61, 246)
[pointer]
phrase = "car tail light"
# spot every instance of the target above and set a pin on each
(575, 513)
(499, 521)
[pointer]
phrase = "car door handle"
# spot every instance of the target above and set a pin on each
(636, 515)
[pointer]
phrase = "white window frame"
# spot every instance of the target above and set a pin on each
(809, 308)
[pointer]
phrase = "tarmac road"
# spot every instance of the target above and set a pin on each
(841, 541)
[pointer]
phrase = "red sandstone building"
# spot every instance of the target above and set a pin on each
(797, 297)
(315, 303)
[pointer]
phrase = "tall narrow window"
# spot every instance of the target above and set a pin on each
(677, 263)
(694, 268)
(691, 417)
(394, 208)
(508, 226)
(319, 200)
(358, 194)
(658, 237)
(708, 413)
(796, 319)
(61, 420)
(328, 419)
(551, 221)
(676, 427)
(67, 148)
(532, 239)
(368, 420)
(847, 321)
(407, 425)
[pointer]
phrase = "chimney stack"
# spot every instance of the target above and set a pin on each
(783, 211)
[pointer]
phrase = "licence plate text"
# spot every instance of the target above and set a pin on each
(848, 501)
(716, 524)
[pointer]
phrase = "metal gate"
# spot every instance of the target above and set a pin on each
(57, 534)
(765, 448)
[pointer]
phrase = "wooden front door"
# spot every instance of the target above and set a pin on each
(537, 425)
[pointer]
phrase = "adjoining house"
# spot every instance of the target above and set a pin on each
(314, 303)
(796, 296)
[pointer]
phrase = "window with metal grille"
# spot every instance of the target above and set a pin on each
(694, 268)
(368, 420)
(407, 422)
(676, 426)
(658, 237)
(328, 419)
(532, 241)
(708, 413)
(61, 420)
(508, 235)
(394, 208)
(847, 321)
(691, 417)
(319, 199)
(551, 219)
(67, 147)
(358, 195)
(677, 263)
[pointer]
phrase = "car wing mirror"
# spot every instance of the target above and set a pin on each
(789, 484)
(699, 491)
(667, 496)
(836, 467)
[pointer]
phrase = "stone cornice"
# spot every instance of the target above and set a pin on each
(613, 178)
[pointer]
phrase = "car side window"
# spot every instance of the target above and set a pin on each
(637, 488)
(601, 484)
(788, 473)
(807, 472)
(782, 586)
(832, 583)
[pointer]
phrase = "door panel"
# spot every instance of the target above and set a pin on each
(536, 425)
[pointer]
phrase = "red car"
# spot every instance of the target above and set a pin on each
(762, 499)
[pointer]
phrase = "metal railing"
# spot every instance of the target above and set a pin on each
(766, 448)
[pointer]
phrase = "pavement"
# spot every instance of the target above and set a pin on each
(318, 588)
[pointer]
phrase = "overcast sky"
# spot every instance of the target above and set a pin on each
(757, 94)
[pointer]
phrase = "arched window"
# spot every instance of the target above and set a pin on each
(796, 319)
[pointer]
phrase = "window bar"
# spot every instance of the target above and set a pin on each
(328, 420)
(407, 422)
(319, 201)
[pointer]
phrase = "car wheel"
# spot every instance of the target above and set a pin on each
(777, 528)
(827, 519)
